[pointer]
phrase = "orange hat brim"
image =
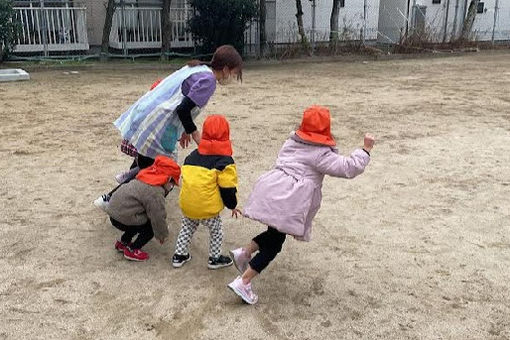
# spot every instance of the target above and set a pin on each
(215, 147)
(160, 172)
(316, 138)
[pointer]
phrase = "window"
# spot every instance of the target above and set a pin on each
(436, 1)
(480, 8)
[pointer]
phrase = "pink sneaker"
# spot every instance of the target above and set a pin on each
(120, 246)
(243, 290)
(240, 258)
(135, 255)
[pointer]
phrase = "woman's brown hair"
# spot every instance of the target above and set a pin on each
(225, 55)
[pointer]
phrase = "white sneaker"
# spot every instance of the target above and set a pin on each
(127, 175)
(244, 291)
(102, 202)
(240, 259)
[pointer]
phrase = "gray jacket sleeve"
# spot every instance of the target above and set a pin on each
(156, 213)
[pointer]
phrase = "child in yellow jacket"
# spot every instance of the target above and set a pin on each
(209, 183)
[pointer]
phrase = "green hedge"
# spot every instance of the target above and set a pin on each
(220, 22)
(9, 28)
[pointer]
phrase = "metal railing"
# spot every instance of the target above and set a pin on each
(49, 29)
(140, 28)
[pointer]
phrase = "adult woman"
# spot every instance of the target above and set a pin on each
(165, 115)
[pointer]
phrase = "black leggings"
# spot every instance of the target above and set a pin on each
(142, 162)
(145, 233)
(270, 243)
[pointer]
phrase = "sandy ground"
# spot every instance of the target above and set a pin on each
(417, 247)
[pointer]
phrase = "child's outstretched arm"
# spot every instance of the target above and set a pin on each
(332, 164)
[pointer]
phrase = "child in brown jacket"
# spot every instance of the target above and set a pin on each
(138, 207)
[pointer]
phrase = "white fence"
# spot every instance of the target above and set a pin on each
(51, 29)
(140, 28)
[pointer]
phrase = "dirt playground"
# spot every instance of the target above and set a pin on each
(418, 247)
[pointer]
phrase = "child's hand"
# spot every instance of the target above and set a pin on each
(368, 142)
(236, 212)
(196, 135)
(185, 140)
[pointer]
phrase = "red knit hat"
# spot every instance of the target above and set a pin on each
(316, 126)
(160, 172)
(215, 137)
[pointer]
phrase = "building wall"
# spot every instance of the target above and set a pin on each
(482, 27)
(484, 22)
(503, 21)
(350, 20)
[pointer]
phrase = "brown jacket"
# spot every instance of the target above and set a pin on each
(136, 202)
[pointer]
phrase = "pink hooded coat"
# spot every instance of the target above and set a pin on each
(289, 196)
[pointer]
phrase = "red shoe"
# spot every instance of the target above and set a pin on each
(135, 255)
(121, 246)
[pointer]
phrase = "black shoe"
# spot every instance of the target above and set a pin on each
(179, 260)
(219, 262)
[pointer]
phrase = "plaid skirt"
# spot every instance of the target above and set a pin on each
(128, 148)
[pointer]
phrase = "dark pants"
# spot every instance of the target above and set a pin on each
(144, 232)
(270, 243)
(142, 162)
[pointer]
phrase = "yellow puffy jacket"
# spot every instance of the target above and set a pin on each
(209, 183)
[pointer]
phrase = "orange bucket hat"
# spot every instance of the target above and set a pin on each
(160, 172)
(215, 137)
(316, 126)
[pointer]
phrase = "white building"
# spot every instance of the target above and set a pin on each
(442, 20)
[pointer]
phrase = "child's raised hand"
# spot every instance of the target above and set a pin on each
(236, 212)
(368, 142)
(185, 140)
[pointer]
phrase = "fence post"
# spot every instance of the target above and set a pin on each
(496, 9)
(454, 30)
(446, 20)
(413, 16)
(44, 29)
(124, 28)
(363, 36)
(314, 4)
(262, 28)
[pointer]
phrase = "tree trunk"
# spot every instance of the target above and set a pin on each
(105, 43)
(166, 29)
(333, 23)
(301, 28)
(262, 28)
(469, 20)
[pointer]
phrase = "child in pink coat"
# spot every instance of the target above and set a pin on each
(287, 198)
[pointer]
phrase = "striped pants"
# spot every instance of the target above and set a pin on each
(188, 228)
